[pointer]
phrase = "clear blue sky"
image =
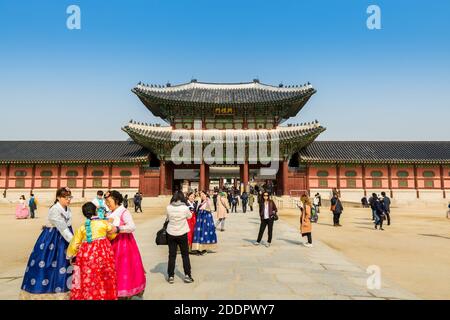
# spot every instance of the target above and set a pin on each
(388, 84)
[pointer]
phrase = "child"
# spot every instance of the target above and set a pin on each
(94, 275)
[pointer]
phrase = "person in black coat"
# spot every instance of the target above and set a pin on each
(379, 212)
(336, 208)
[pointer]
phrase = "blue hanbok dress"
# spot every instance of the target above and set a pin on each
(48, 272)
(205, 237)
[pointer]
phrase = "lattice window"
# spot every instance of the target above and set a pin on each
(428, 174)
(46, 173)
(98, 173)
(20, 173)
(20, 183)
(45, 183)
(350, 173)
(72, 183)
(72, 173)
(376, 183)
(125, 183)
(351, 183)
(97, 183)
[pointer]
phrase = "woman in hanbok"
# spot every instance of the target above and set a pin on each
(94, 275)
(22, 209)
(129, 268)
(48, 272)
(205, 238)
(192, 205)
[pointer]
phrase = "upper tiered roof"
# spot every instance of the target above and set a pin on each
(196, 94)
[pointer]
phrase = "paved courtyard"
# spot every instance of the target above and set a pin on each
(240, 270)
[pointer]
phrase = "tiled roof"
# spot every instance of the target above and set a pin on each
(220, 94)
(162, 140)
(71, 151)
(377, 152)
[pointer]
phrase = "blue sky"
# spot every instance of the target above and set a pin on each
(388, 84)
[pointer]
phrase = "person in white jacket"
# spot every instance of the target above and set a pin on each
(177, 235)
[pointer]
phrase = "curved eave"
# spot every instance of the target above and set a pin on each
(152, 102)
(375, 162)
(132, 160)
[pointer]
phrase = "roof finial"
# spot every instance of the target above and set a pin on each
(256, 80)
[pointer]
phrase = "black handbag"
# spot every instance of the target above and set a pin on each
(275, 217)
(161, 235)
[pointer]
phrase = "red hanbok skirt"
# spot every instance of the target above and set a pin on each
(191, 222)
(94, 273)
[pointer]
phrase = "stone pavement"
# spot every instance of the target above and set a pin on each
(240, 270)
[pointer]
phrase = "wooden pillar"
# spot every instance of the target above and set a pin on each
(338, 179)
(245, 176)
(390, 180)
(202, 183)
(169, 177)
(441, 170)
(220, 183)
(285, 174)
(8, 172)
(364, 180)
(84, 181)
(416, 185)
(110, 171)
(59, 176)
(207, 178)
(308, 192)
(162, 177)
(33, 177)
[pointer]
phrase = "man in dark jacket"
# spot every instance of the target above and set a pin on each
(336, 208)
(379, 212)
(33, 205)
(372, 201)
(387, 207)
(244, 198)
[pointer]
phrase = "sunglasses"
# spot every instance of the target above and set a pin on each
(68, 197)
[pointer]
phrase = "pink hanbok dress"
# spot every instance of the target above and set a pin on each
(129, 267)
(22, 211)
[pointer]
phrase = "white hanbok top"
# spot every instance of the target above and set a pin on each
(61, 219)
(128, 226)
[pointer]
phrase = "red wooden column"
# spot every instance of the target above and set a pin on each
(220, 183)
(416, 185)
(202, 183)
(84, 181)
(285, 177)
(364, 179)
(162, 177)
(308, 192)
(33, 176)
(441, 169)
(338, 178)
(207, 178)
(110, 171)
(169, 176)
(245, 176)
(8, 172)
(59, 176)
(390, 180)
